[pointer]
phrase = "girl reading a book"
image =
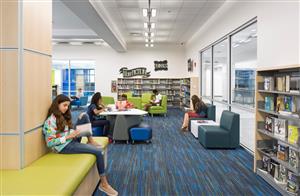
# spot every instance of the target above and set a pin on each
(61, 138)
(94, 110)
(199, 111)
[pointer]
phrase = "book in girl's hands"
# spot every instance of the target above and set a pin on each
(84, 129)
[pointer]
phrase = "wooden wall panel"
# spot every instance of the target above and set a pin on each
(34, 145)
(8, 24)
(37, 26)
(9, 104)
(37, 87)
(10, 152)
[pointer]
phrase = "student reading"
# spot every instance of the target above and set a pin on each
(199, 111)
(61, 138)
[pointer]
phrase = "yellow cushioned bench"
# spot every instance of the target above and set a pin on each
(55, 174)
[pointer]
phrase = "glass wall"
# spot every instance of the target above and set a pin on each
(220, 71)
(70, 75)
(206, 73)
(243, 66)
(232, 61)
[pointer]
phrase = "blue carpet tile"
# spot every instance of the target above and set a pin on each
(175, 163)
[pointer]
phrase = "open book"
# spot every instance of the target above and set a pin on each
(84, 129)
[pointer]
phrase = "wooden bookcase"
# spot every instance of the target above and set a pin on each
(176, 89)
(267, 139)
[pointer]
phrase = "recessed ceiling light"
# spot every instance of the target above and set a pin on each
(145, 12)
(152, 25)
(153, 12)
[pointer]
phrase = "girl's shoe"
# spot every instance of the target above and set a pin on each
(108, 190)
(184, 129)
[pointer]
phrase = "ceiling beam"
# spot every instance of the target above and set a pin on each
(91, 17)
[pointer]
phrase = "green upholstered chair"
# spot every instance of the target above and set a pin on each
(136, 101)
(211, 114)
(107, 100)
(146, 97)
(162, 109)
(227, 135)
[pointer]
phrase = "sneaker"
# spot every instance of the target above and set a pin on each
(108, 190)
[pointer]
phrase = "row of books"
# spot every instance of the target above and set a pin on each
(285, 83)
(283, 128)
(284, 104)
(281, 174)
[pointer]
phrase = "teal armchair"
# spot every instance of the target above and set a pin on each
(162, 109)
(227, 135)
(107, 100)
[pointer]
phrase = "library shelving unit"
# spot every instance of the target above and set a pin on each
(282, 170)
(176, 89)
(185, 92)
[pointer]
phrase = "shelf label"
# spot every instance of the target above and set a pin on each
(161, 65)
(140, 71)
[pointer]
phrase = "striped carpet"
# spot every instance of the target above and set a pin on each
(175, 163)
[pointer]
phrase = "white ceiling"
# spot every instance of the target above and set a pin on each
(176, 20)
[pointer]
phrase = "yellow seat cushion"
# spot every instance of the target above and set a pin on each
(52, 174)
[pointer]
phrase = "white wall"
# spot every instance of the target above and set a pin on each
(278, 42)
(108, 62)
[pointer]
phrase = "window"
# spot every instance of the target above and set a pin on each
(243, 66)
(206, 73)
(220, 71)
(68, 76)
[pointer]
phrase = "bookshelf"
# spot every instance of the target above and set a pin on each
(277, 151)
(166, 86)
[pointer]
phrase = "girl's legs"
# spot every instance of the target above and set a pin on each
(79, 148)
(185, 123)
(102, 123)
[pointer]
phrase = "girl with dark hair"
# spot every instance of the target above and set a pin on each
(61, 138)
(199, 111)
(94, 110)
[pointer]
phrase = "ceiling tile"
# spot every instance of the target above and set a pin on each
(171, 3)
(194, 3)
(127, 3)
(189, 10)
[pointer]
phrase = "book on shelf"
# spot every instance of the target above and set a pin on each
(274, 169)
(269, 83)
(269, 103)
(293, 133)
(295, 82)
(293, 158)
(292, 183)
(266, 164)
(269, 124)
(280, 127)
(280, 83)
(287, 83)
(282, 152)
(282, 175)
(280, 103)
